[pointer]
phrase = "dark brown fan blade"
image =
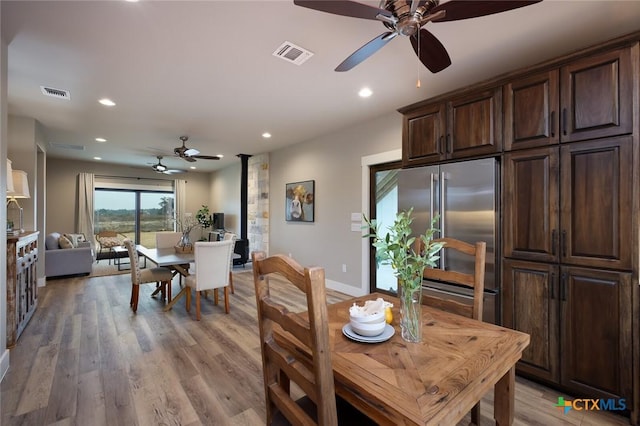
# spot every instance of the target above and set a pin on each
(365, 51)
(432, 53)
(206, 157)
(345, 8)
(464, 9)
(189, 159)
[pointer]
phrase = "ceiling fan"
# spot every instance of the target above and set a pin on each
(161, 168)
(406, 17)
(190, 154)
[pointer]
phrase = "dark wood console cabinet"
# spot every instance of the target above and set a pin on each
(22, 283)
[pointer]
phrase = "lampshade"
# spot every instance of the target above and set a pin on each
(20, 185)
(9, 176)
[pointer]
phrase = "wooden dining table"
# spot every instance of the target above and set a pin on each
(434, 382)
(168, 257)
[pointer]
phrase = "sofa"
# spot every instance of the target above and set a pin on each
(71, 255)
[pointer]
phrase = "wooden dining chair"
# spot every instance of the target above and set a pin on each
(213, 263)
(473, 281)
(144, 276)
(281, 364)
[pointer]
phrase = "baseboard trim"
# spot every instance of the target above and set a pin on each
(4, 364)
(345, 288)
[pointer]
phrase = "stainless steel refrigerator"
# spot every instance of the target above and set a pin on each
(463, 194)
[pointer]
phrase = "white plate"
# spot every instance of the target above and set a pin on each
(386, 334)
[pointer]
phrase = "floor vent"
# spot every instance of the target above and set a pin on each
(292, 53)
(66, 146)
(55, 93)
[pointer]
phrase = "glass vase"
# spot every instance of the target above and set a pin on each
(410, 295)
(185, 242)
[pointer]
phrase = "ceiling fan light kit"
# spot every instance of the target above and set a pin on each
(406, 18)
(191, 154)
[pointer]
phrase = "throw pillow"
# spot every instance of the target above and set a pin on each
(64, 242)
(75, 238)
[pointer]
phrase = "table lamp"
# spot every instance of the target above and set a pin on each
(20, 190)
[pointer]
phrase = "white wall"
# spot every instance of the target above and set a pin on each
(225, 196)
(334, 162)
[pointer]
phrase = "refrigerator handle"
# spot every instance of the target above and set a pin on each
(433, 182)
(442, 213)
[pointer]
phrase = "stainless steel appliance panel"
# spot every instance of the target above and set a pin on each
(469, 206)
(419, 188)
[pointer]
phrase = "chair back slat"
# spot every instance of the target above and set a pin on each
(280, 363)
(473, 280)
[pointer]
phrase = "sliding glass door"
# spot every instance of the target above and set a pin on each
(137, 214)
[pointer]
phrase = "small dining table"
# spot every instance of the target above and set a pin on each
(436, 381)
(168, 257)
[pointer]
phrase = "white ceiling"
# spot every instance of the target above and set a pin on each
(205, 69)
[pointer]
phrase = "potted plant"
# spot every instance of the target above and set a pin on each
(399, 249)
(204, 219)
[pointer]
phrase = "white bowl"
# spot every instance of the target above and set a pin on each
(368, 330)
(368, 319)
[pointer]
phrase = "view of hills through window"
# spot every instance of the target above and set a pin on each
(136, 214)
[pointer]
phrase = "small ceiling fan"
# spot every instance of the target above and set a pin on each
(161, 168)
(190, 154)
(406, 17)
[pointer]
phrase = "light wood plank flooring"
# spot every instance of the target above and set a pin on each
(86, 359)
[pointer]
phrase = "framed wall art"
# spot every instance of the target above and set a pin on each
(300, 201)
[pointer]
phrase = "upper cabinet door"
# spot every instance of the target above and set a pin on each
(475, 124)
(531, 203)
(596, 207)
(597, 97)
(423, 135)
(531, 116)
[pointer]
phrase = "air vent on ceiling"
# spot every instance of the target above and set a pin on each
(56, 93)
(292, 53)
(66, 146)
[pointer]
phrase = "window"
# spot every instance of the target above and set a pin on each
(133, 209)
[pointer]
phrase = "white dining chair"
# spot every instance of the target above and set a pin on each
(167, 239)
(213, 264)
(233, 237)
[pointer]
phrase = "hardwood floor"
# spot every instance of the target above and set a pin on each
(86, 359)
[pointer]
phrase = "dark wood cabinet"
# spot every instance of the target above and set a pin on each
(590, 225)
(586, 99)
(579, 322)
(530, 304)
(596, 321)
(531, 111)
(468, 125)
(596, 96)
(424, 135)
(596, 211)
(531, 204)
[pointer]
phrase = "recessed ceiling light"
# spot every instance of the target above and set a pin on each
(131, 1)
(365, 92)
(220, 155)
(101, 140)
(97, 158)
(107, 102)
(192, 167)
(266, 135)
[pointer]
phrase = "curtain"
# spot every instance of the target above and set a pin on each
(181, 197)
(85, 206)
